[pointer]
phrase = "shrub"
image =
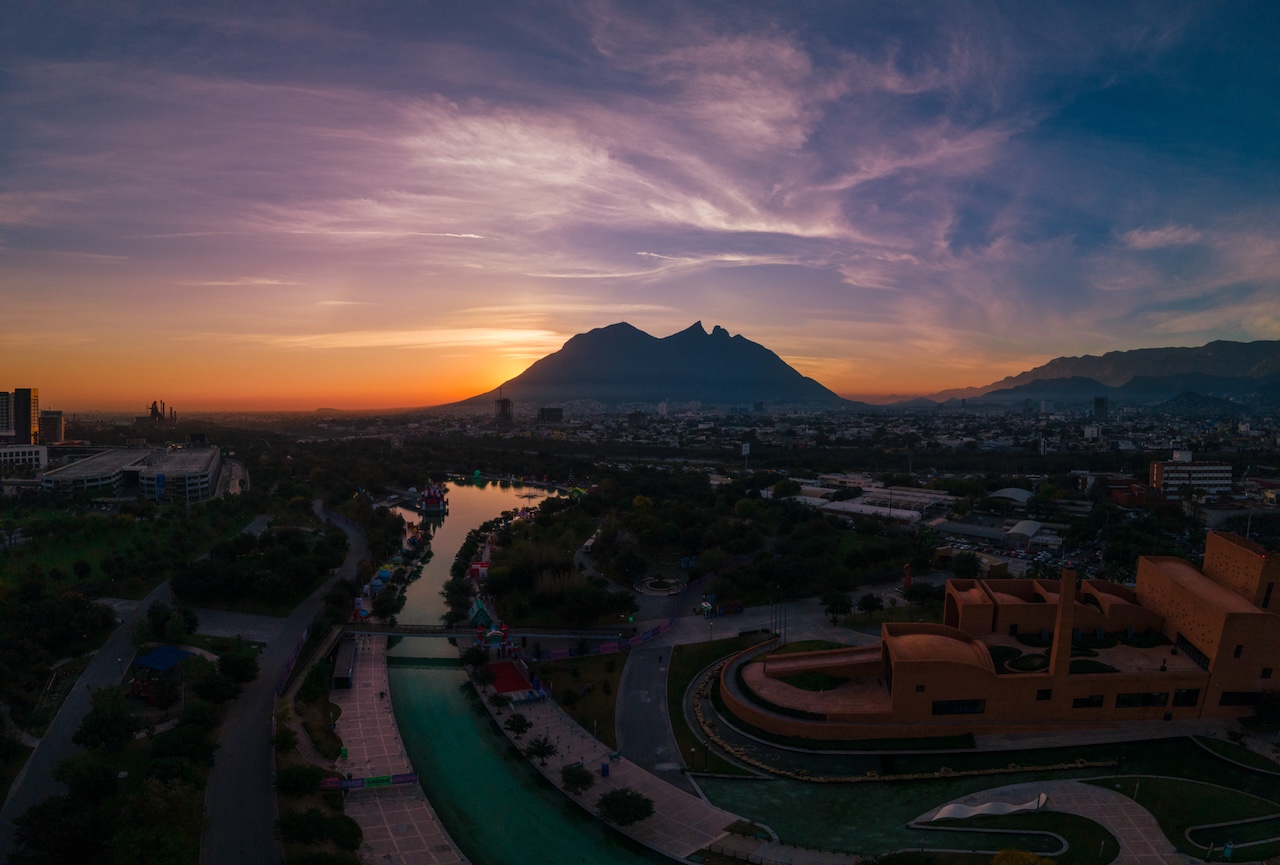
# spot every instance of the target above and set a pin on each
(299, 780)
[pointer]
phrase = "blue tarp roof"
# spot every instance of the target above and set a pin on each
(163, 658)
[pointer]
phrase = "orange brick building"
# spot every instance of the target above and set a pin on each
(1023, 655)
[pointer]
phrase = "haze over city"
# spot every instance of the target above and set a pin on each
(243, 206)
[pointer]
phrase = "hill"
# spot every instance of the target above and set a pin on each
(1183, 368)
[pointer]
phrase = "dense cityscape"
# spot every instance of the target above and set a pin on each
(805, 550)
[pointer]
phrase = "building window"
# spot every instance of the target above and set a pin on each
(1141, 700)
(1193, 652)
(1044, 694)
(1266, 673)
(1238, 652)
(919, 689)
(959, 707)
(1238, 698)
(1266, 598)
(1093, 701)
(1186, 696)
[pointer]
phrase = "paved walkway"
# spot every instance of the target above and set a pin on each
(681, 824)
(1141, 841)
(399, 823)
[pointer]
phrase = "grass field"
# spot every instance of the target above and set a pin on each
(1089, 843)
(686, 663)
(594, 682)
(1179, 804)
(1239, 754)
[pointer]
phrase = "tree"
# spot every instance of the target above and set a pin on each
(576, 778)
(239, 667)
(476, 656)
(870, 603)
(499, 701)
(285, 739)
(624, 806)
(966, 566)
(108, 723)
(518, 724)
(485, 676)
(541, 749)
(837, 604)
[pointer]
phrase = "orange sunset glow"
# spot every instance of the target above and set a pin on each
(206, 208)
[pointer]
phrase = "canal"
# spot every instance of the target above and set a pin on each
(494, 805)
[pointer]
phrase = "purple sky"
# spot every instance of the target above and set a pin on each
(375, 204)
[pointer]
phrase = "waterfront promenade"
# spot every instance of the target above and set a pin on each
(398, 823)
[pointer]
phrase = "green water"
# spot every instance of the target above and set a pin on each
(495, 806)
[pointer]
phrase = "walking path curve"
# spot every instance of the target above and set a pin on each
(1141, 841)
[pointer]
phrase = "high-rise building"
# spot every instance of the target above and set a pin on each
(1099, 408)
(6, 417)
(52, 428)
(26, 416)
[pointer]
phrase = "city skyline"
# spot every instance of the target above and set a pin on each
(248, 207)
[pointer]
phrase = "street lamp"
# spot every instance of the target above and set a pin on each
(120, 664)
(711, 630)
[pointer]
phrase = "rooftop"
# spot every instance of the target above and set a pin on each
(105, 463)
(1183, 572)
(183, 460)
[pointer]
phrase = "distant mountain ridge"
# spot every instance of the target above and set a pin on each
(623, 364)
(1222, 365)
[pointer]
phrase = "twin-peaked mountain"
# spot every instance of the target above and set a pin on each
(622, 364)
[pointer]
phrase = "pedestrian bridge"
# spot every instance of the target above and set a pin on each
(437, 631)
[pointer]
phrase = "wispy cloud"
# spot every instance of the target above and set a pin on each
(1156, 238)
(966, 184)
(242, 281)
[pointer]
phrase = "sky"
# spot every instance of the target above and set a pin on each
(373, 204)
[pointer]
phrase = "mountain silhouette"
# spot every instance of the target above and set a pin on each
(1222, 359)
(622, 364)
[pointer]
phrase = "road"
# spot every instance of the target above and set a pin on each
(644, 728)
(240, 800)
(35, 783)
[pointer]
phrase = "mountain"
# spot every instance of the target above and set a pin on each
(622, 364)
(1219, 360)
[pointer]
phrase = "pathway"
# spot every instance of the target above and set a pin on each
(35, 783)
(1141, 841)
(240, 800)
(681, 823)
(399, 823)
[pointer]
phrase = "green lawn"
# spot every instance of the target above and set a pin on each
(1239, 753)
(814, 681)
(1179, 804)
(594, 680)
(1089, 843)
(686, 663)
